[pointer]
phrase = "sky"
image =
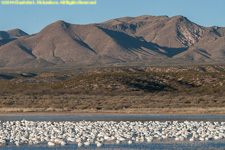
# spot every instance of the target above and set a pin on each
(33, 18)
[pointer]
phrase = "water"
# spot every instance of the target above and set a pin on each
(220, 144)
(141, 146)
(212, 118)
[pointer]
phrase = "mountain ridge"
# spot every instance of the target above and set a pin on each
(141, 40)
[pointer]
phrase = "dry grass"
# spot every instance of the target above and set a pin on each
(116, 89)
(150, 103)
(168, 111)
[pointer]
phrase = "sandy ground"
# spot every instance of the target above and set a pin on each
(163, 111)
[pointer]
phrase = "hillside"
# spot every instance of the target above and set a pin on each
(143, 41)
(115, 88)
(10, 35)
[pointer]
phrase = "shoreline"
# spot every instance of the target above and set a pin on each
(140, 111)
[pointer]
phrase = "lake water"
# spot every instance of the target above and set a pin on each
(212, 118)
(142, 146)
(220, 144)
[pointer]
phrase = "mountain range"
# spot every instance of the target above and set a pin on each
(142, 40)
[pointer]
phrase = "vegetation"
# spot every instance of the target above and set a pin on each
(115, 88)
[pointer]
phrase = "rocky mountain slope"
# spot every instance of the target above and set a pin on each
(142, 40)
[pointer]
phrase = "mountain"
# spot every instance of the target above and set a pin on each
(211, 47)
(10, 35)
(142, 40)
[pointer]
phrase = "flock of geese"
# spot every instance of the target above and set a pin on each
(85, 133)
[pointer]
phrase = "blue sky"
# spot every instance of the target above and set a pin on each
(33, 18)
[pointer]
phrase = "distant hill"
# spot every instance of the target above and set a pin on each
(10, 35)
(142, 40)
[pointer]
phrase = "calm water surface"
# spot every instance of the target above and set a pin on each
(212, 118)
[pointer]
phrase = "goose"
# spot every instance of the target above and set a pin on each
(130, 142)
(80, 144)
(62, 143)
(99, 144)
(118, 141)
(101, 132)
(87, 143)
(51, 143)
(17, 143)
